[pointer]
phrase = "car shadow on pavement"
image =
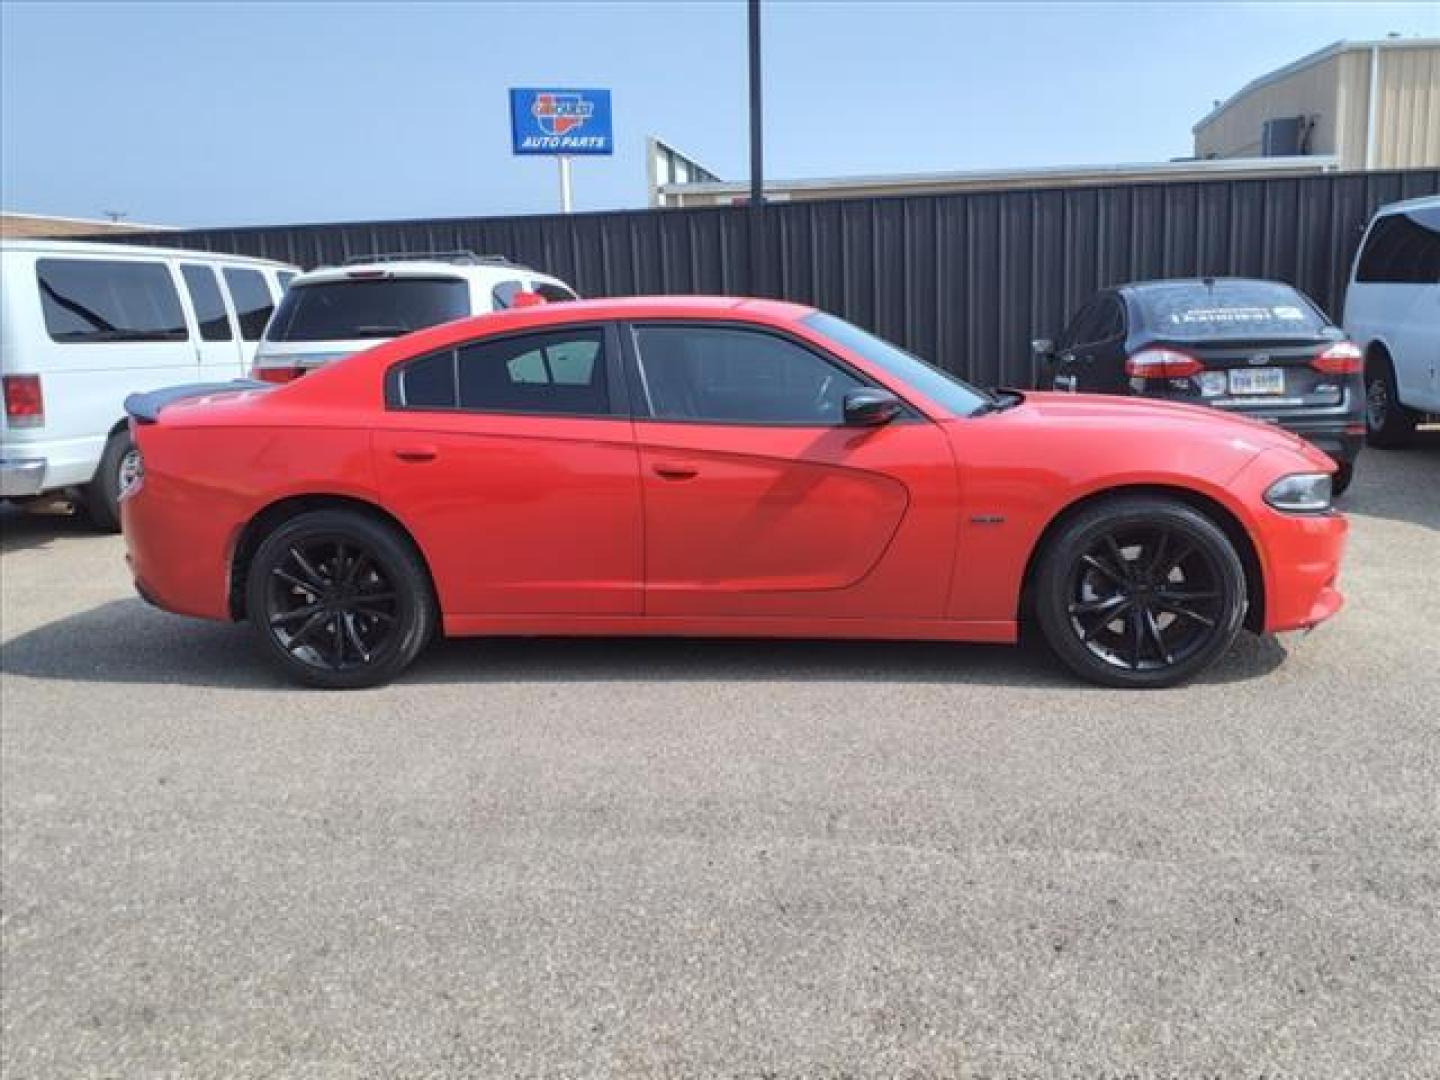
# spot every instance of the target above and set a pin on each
(1408, 489)
(22, 529)
(126, 641)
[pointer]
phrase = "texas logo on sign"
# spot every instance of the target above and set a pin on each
(554, 121)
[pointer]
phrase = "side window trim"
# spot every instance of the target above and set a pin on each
(640, 391)
(394, 386)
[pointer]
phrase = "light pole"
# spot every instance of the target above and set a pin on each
(757, 138)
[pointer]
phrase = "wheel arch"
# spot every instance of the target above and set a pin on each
(1212, 508)
(274, 514)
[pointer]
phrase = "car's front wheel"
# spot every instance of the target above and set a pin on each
(1139, 592)
(339, 599)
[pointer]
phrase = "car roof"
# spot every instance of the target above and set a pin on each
(1425, 202)
(100, 247)
(1154, 283)
(672, 307)
(426, 268)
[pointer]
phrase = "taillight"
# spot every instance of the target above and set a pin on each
(1342, 359)
(1160, 363)
(276, 374)
(24, 403)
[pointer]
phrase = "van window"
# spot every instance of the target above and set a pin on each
(1402, 249)
(285, 277)
(251, 297)
(99, 300)
(504, 293)
(209, 307)
(379, 308)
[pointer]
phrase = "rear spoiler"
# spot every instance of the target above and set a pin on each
(145, 408)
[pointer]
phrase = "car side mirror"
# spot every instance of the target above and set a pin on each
(1043, 347)
(871, 408)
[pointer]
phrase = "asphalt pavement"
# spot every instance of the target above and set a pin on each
(680, 858)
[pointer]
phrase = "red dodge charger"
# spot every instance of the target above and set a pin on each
(716, 467)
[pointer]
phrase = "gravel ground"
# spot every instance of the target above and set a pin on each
(638, 858)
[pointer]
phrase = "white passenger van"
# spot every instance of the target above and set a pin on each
(335, 311)
(84, 324)
(1392, 311)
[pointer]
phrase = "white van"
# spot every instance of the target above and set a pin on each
(335, 311)
(84, 324)
(1392, 311)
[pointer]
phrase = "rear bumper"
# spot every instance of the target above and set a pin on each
(176, 547)
(21, 477)
(1341, 441)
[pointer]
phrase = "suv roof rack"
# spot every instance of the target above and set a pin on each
(459, 258)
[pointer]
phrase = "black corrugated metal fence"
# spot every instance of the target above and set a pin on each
(966, 280)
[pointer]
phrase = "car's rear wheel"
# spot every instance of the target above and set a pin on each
(339, 599)
(1387, 421)
(119, 468)
(1139, 592)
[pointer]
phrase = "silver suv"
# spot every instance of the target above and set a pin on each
(331, 312)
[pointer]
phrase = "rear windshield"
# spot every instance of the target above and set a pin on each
(345, 310)
(1225, 309)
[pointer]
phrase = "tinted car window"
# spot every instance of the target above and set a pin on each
(737, 376)
(285, 277)
(1081, 326)
(1226, 309)
(382, 308)
(428, 383)
(561, 372)
(1402, 249)
(205, 297)
(556, 294)
(1111, 320)
(504, 293)
(98, 300)
(251, 297)
(939, 386)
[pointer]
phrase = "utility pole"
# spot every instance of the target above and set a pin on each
(757, 138)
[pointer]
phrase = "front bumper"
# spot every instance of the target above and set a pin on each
(21, 477)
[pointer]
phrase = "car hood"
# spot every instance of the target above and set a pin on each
(1146, 419)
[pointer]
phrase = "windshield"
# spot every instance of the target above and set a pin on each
(388, 307)
(939, 386)
(1226, 309)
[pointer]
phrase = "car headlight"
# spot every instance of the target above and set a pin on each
(1300, 493)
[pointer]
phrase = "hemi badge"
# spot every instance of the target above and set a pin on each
(987, 519)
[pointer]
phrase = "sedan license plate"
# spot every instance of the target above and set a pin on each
(1257, 380)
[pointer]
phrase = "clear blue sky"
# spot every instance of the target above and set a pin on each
(211, 114)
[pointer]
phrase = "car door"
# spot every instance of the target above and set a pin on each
(512, 461)
(1094, 352)
(760, 501)
(217, 347)
(253, 303)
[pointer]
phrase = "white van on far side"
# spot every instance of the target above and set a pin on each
(1392, 311)
(82, 325)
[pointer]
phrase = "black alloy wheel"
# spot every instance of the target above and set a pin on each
(1140, 593)
(339, 599)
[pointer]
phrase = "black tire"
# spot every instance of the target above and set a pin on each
(1340, 482)
(339, 600)
(101, 497)
(1388, 423)
(1164, 572)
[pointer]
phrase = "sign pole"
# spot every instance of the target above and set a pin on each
(564, 160)
(757, 138)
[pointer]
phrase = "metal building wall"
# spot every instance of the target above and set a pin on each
(966, 280)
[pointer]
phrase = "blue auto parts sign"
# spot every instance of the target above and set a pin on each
(560, 121)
